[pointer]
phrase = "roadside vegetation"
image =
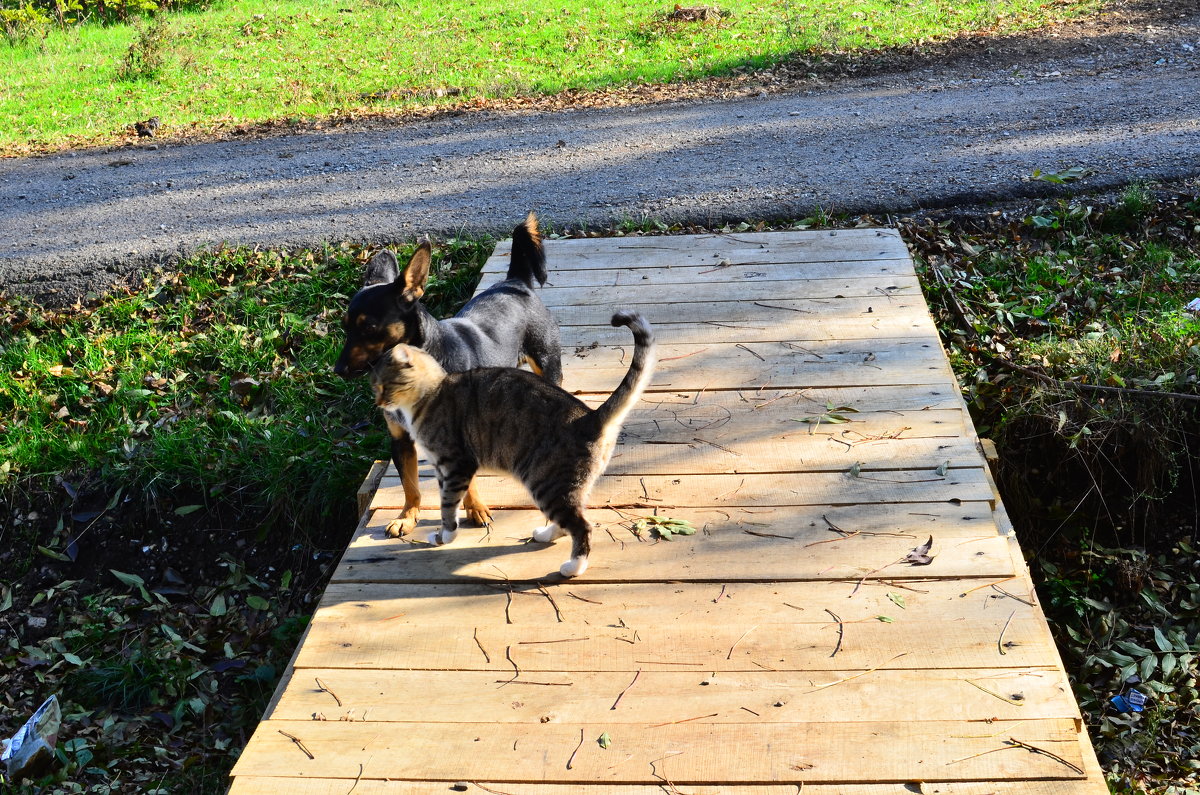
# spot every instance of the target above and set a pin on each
(83, 72)
(179, 468)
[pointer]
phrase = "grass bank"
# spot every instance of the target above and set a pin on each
(255, 60)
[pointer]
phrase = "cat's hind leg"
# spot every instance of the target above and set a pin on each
(570, 519)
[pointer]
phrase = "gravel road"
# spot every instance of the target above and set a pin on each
(1122, 100)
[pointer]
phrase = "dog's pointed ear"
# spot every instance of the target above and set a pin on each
(382, 269)
(417, 272)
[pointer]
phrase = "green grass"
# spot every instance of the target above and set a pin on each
(256, 60)
(215, 380)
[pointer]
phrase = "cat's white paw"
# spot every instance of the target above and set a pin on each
(439, 537)
(547, 533)
(573, 567)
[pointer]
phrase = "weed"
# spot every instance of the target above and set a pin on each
(147, 55)
(24, 24)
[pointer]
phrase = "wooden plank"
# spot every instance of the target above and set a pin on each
(830, 246)
(754, 545)
(666, 696)
(682, 646)
(582, 603)
(804, 402)
(744, 299)
(749, 490)
(254, 785)
(589, 326)
(904, 361)
(370, 483)
(750, 269)
(830, 752)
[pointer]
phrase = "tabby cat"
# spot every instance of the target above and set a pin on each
(511, 420)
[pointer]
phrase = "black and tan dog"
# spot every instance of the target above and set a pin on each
(504, 326)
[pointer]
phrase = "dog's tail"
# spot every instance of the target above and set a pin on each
(528, 260)
(612, 412)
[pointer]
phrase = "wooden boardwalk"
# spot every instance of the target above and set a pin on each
(788, 646)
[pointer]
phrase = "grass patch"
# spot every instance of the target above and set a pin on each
(178, 466)
(257, 60)
(1102, 485)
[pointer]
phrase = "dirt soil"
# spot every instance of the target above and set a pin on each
(961, 123)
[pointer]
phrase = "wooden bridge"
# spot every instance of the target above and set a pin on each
(804, 419)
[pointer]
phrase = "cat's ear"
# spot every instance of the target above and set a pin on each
(402, 356)
(382, 269)
(417, 272)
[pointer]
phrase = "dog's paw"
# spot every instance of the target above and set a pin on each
(401, 527)
(479, 514)
(573, 567)
(547, 533)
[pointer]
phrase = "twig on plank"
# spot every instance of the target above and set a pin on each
(554, 604)
(729, 656)
(356, 779)
(863, 673)
(722, 593)
(1033, 748)
(683, 356)
(985, 585)
(486, 657)
(299, 743)
(1000, 640)
(752, 353)
(1012, 701)
(489, 789)
(752, 712)
(516, 670)
(841, 631)
(325, 689)
(559, 640)
(626, 690)
(572, 759)
(1013, 595)
(784, 308)
(766, 535)
(580, 598)
(527, 682)
(685, 720)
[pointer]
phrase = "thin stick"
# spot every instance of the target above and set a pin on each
(623, 692)
(993, 693)
(486, 657)
(785, 308)
(986, 585)
(559, 640)
(325, 688)
(848, 678)
(572, 759)
(1000, 640)
(722, 593)
(766, 535)
(752, 712)
(527, 682)
(1012, 595)
(1044, 752)
(752, 353)
(507, 605)
(685, 720)
(841, 631)
(299, 743)
(729, 656)
(684, 356)
(516, 670)
(489, 789)
(554, 604)
(580, 598)
(356, 779)
(718, 446)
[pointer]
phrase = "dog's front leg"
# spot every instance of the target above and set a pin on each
(477, 511)
(404, 456)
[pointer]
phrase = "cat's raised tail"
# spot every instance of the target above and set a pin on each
(612, 412)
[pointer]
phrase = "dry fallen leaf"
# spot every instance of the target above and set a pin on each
(920, 555)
